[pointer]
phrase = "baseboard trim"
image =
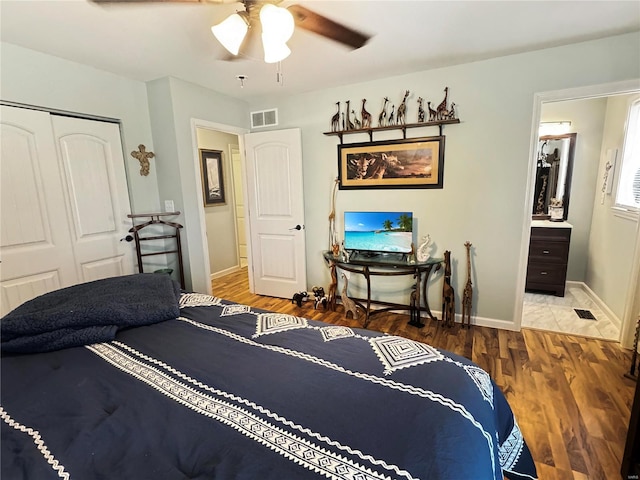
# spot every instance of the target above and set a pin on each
(224, 272)
(479, 321)
(484, 322)
(596, 299)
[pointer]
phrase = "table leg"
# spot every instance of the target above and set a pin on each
(365, 272)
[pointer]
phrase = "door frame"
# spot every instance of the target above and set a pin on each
(240, 132)
(627, 328)
(240, 178)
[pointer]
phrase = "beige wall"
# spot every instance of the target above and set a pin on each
(613, 237)
(220, 219)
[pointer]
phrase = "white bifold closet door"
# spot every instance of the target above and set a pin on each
(64, 204)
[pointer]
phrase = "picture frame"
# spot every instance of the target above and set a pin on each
(212, 177)
(406, 163)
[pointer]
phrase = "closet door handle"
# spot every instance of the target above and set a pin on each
(543, 273)
(545, 252)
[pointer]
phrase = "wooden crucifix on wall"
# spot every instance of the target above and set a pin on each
(143, 157)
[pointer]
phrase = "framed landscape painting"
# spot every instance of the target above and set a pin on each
(212, 179)
(407, 163)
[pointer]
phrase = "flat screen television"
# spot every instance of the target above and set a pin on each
(387, 232)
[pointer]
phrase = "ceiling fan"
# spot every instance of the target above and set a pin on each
(273, 23)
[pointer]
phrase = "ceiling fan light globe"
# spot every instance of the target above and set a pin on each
(277, 22)
(275, 50)
(231, 32)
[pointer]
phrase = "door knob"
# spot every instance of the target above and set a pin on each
(297, 227)
(128, 238)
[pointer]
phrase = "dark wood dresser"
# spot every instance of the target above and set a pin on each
(548, 257)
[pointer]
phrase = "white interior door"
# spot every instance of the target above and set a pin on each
(64, 202)
(276, 212)
(92, 162)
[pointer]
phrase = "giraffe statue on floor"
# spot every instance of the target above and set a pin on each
(349, 305)
(448, 294)
(467, 293)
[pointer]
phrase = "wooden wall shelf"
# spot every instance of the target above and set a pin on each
(438, 123)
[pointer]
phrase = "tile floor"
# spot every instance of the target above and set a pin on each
(548, 312)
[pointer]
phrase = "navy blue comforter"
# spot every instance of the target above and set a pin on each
(226, 392)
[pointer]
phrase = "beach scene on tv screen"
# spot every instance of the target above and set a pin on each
(378, 231)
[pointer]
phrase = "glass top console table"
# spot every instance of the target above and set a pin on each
(385, 265)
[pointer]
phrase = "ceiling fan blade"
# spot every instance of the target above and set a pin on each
(157, 1)
(316, 23)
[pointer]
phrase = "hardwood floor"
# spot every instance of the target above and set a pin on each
(568, 392)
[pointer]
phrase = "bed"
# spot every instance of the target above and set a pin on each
(131, 378)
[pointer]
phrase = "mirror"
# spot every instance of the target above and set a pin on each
(553, 173)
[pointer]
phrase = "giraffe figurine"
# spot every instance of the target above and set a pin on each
(349, 125)
(357, 123)
(402, 109)
(448, 294)
(349, 305)
(335, 120)
(442, 111)
(366, 116)
(452, 112)
(392, 120)
(382, 118)
(467, 293)
(420, 110)
(432, 113)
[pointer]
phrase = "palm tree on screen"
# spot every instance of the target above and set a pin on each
(405, 222)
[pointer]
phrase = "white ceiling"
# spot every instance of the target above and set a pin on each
(150, 41)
